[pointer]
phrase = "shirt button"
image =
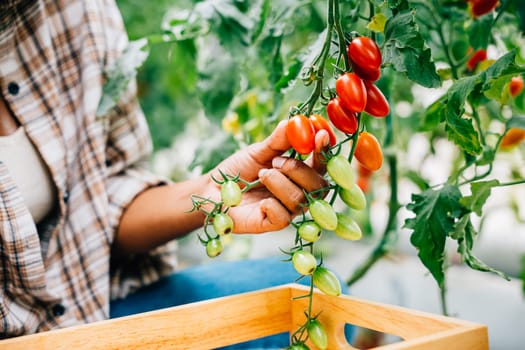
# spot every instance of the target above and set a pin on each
(58, 310)
(13, 88)
(66, 197)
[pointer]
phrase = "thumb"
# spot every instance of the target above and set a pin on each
(274, 145)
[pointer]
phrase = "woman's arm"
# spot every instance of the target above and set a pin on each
(162, 213)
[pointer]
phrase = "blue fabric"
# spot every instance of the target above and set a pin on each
(214, 280)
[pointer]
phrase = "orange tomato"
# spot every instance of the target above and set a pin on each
(368, 151)
(512, 137)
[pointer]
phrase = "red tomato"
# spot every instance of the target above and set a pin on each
(301, 134)
(342, 119)
(366, 75)
(477, 57)
(365, 54)
(481, 7)
(368, 151)
(376, 103)
(516, 86)
(512, 138)
(321, 123)
(351, 91)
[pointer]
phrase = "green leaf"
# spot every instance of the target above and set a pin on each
(434, 115)
(405, 50)
(213, 150)
(465, 244)
(436, 212)
(479, 32)
(121, 73)
(480, 191)
(218, 83)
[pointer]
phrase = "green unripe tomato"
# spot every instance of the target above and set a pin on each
(317, 334)
(341, 171)
(304, 262)
(353, 197)
(347, 228)
(326, 281)
(231, 194)
(222, 224)
(323, 214)
(309, 231)
(213, 247)
(298, 346)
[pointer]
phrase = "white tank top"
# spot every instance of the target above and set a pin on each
(29, 173)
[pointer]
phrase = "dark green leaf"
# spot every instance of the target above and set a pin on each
(465, 244)
(436, 212)
(479, 32)
(121, 73)
(480, 191)
(405, 50)
(434, 115)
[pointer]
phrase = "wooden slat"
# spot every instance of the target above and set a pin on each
(233, 319)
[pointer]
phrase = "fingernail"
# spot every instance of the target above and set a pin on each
(278, 162)
(262, 172)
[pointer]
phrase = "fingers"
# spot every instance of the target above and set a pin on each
(300, 173)
(317, 160)
(274, 145)
(263, 215)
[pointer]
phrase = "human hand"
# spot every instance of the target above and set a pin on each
(272, 206)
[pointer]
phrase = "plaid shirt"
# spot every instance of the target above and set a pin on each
(52, 57)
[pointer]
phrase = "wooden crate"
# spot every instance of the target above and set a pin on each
(233, 319)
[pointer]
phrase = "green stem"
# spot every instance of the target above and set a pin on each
(443, 299)
(340, 35)
(518, 182)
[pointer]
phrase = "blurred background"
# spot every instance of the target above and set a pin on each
(207, 95)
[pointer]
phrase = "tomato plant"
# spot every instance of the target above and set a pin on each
(301, 134)
(341, 171)
(317, 334)
(231, 194)
(222, 224)
(365, 55)
(304, 262)
(323, 214)
(309, 231)
(326, 281)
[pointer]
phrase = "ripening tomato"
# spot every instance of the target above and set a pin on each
(321, 123)
(353, 197)
(364, 183)
(516, 86)
(326, 281)
(351, 91)
(376, 103)
(301, 134)
(345, 121)
(476, 58)
(368, 151)
(309, 231)
(231, 194)
(340, 170)
(481, 7)
(304, 262)
(222, 224)
(364, 53)
(317, 334)
(347, 228)
(323, 214)
(512, 137)
(213, 247)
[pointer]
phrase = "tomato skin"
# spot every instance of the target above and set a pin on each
(368, 151)
(353, 197)
(301, 134)
(341, 171)
(304, 262)
(347, 228)
(351, 91)
(213, 247)
(516, 86)
(345, 121)
(222, 224)
(326, 281)
(364, 53)
(481, 7)
(320, 123)
(366, 75)
(376, 103)
(512, 137)
(477, 57)
(323, 214)
(309, 231)
(317, 334)
(231, 194)
(364, 183)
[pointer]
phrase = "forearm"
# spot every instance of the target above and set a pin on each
(160, 214)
